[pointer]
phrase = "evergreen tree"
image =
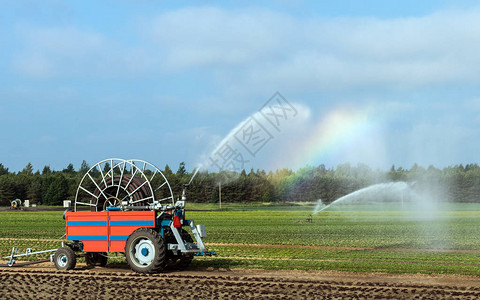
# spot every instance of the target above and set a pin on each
(3, 170)
(69, 169)
(181, 169)
(28, 170)
(57, 190)
(7, 189)
(34, 190)
(21, 183)
(46, 170)
(84, 167)
(167, 171)
(106, 168)
(460, 183)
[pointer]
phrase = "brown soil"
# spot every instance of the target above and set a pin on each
(119, 282)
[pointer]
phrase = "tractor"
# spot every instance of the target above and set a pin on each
(127, 206)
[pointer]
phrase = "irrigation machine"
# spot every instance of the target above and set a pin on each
(127, 206)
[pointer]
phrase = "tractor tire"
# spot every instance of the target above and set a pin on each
(178, 261)
(145, 251)
(65, 259)
(93, 259)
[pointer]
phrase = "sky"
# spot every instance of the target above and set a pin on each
(237, 84)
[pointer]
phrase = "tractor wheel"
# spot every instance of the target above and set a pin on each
(96, 259)
(145, 251)
(178, 261)
(65, 259)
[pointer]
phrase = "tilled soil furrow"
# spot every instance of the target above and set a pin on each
(87, 284)
(174, 279)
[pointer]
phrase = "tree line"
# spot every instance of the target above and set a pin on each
(459, 183)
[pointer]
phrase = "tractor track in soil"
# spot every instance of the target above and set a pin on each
(44, 282)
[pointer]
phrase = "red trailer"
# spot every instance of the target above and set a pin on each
(106, 231)
(131, 209)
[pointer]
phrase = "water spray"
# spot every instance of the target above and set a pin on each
(194, 174)
(390, 190)
(185, 186)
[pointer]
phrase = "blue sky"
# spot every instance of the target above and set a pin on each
(168, 81)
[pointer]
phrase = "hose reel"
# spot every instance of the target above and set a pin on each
(125, 185)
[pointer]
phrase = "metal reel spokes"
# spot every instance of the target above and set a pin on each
(162, 190)
(115, 182)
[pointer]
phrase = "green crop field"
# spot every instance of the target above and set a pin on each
(270, 237)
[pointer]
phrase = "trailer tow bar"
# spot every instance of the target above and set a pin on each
(28, 252)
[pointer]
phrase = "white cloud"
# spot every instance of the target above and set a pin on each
(266, 49)
(208, 66)
(34, 65)
(256, 49)
(58, 52)
(220, 38)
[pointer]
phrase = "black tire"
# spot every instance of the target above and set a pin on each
(145, 251)
(65, 259)
(96, 259)
(182, 260)
(102, 259)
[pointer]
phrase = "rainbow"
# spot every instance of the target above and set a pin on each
(335, 133)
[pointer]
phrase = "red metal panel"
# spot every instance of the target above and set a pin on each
(87, 215)
(87, 230)
(131, 215)
(95, 246)
(106, 231)
(89, 227)
(117, 246)
(123, 230)
(122, 224)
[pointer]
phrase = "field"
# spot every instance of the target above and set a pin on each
(278, 240)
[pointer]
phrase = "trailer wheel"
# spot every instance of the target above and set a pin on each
(145, 251)
(102, 259)
(65, 259)
(96, 259)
